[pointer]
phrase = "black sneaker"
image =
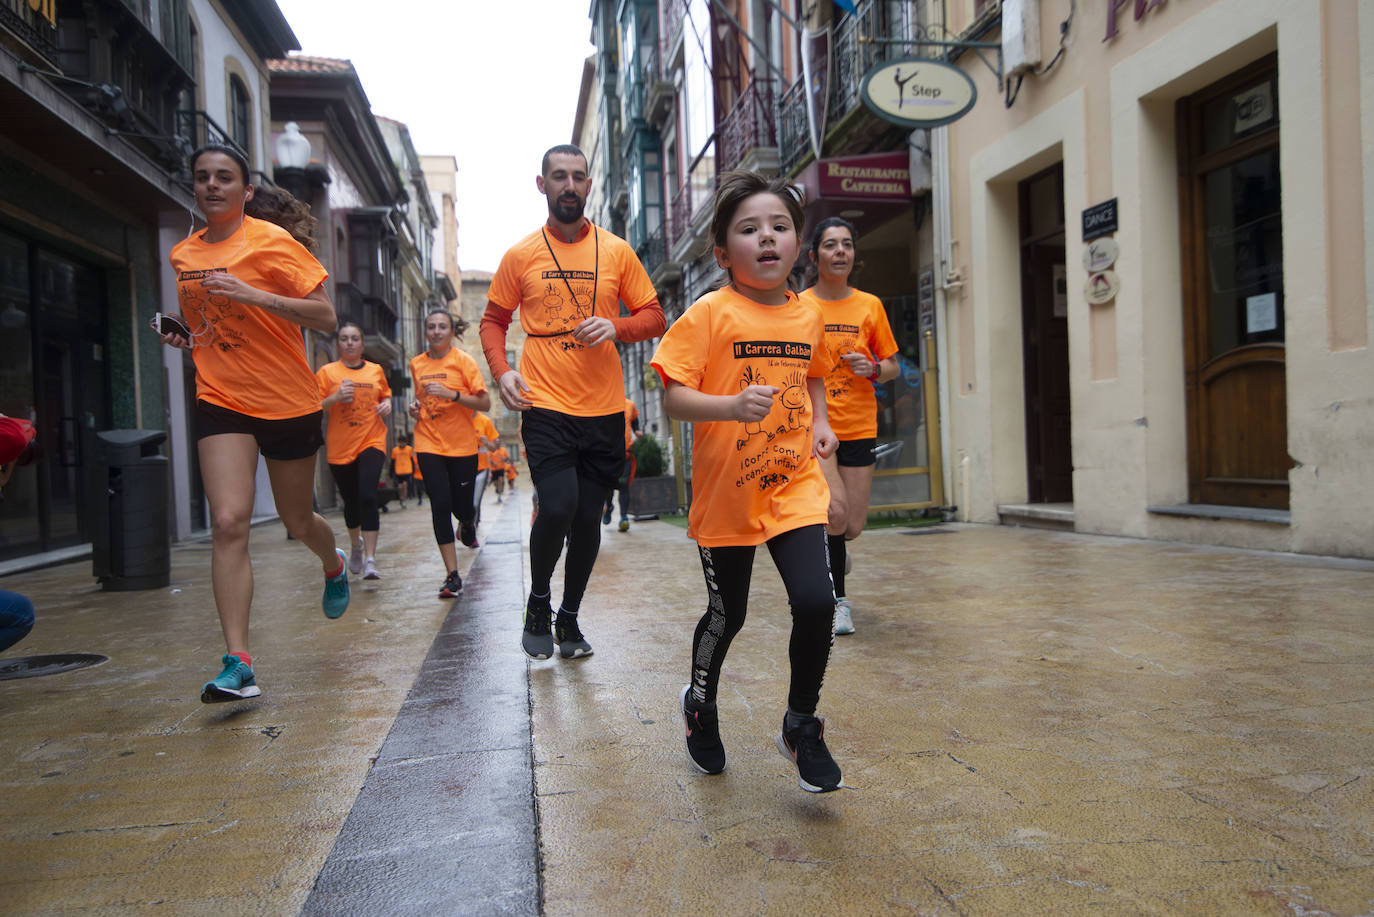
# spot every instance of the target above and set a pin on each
(467, 533)
(704, 748)
(453, 584)
(804, 745)
(537, 640)
(571, 643)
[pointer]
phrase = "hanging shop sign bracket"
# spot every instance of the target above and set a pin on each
(977, 47)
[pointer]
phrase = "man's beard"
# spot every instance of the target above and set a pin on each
(566, 213)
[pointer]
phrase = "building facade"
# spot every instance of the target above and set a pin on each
(101, 103)
(1155, 271)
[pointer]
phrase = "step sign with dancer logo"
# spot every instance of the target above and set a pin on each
(918, 92)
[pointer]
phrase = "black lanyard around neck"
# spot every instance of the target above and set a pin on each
(596, 275)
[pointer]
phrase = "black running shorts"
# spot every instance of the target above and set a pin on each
(279, 440)
(554, 441)
(856, 453)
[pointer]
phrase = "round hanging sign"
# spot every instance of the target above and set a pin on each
(918, 92)
(1100, 254)
(1102, 287)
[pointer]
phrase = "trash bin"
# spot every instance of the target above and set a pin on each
(130, 538)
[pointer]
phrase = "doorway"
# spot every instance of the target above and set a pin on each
(1045, 337)
(1232, 235)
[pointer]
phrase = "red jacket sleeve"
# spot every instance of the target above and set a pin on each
(646, 323)
(492, 332)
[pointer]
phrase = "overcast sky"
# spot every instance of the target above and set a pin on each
(492, 83)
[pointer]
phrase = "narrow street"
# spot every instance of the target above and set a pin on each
(1028, 721)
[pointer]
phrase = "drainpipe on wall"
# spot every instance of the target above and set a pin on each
(942, 243)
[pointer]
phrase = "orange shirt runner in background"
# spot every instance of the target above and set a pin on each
(403, 457)
(354, 425)
(486, 428)
(856, 323)
(228, 336)
(751, 481)
(562, 374)
(631, 415)
(446, 427)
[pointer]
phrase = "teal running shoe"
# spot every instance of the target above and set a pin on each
(335, 601)
(236, 682)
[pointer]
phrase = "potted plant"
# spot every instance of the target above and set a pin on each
(652, 492)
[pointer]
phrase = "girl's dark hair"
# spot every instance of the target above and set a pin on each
(347, 324)
(269, 202)
(276, 205)
(737, 185)
(813, 273)
(457, 324)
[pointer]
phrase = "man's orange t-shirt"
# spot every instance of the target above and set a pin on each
(631, 415)
(562, 374)
(404, 459)
(354, 425)
(750, 481)
(445, 426)
(247, 359)
(856, 323)
(486, 428)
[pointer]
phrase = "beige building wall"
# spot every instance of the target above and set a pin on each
(1107, 111)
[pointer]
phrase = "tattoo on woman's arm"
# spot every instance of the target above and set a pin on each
(278, 306)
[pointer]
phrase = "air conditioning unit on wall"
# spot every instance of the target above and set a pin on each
(1020, 36)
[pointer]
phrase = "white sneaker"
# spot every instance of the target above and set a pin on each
(370, 569)
(355, 559)
(844, 620)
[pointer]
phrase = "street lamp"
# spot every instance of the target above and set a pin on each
(293, 155)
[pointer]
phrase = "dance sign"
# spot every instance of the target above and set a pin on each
(918, 92)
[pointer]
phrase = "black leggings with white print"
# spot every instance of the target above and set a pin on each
(802, 560)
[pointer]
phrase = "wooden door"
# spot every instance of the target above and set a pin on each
(1232, 236)
(1045, 338)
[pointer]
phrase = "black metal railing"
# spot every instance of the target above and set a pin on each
(199, 128)
(672, 18)
(748, 125)
(653, 252)
(31, 27)
(794, 131)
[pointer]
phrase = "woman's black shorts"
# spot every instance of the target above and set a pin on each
(279, 440)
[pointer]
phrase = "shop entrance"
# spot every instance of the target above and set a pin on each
(52, 369)
(1232, 234)
(1045, 337)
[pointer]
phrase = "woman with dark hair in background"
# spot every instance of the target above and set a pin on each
(449, 390)
(247, 286)
(356, 396)
(865, 356)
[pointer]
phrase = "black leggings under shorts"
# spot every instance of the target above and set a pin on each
(279, 440)
(357, 483)
(450, 479)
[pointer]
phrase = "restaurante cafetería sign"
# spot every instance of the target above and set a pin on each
(918, 92)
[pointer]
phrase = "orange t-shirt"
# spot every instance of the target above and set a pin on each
(856, 323)
(750, 481)
(404, 457)
(446, 427)
(247, 359)
(631, 415)
(499, 457)
(486, 428)
(562, 374)
(354, 425)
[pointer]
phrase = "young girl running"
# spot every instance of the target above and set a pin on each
(246, 288)
(403, 466)
(358, 400)
(747, 364)
(864, 351)
(449, 390)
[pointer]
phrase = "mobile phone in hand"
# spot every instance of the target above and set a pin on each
(170, 324)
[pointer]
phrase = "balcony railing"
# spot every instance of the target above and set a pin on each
(794, 133)
(748, 125)
(852, 59)
(671, 20)
(199, 128)
(31, 27)
(373, 315)
(654, 250)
